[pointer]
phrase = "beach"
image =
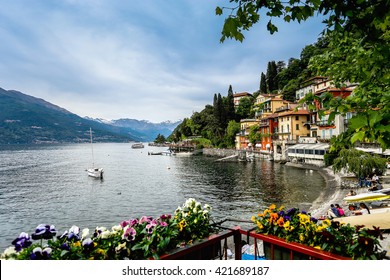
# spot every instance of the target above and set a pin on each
(333, 193)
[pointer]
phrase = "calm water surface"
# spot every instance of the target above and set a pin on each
(48, 184)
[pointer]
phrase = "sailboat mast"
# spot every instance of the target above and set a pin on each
(93, 159)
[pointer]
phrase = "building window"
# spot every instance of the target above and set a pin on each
(288, 128)
(297, 118)
(297, 127)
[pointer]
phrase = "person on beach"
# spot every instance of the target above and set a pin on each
(340, 210)
(376, 186)
(368, 182)
(332, 212)
(375, 178)
(363, 210)
(352, 208)
(351, 193)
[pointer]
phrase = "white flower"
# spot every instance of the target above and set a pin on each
(120, 247)
(9, 251)
(105, 234)
(101, 229)
(84, 233)
(117, 228)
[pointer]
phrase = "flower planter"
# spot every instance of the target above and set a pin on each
(276, 248)
(275, 252)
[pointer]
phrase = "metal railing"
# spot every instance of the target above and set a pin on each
(274, 248)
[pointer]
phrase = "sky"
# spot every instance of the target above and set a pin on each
(154, 60)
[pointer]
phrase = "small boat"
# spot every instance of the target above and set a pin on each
(137, 146)
(94, 172)
(184, 154)
(371, 196)
(154, 153)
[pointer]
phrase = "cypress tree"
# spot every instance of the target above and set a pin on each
(263, 83)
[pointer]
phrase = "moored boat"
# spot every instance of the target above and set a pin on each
(94, 172)
(137, 146)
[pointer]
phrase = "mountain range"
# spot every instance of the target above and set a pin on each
(25, 119)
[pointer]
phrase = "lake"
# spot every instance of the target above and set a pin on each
(48, 184)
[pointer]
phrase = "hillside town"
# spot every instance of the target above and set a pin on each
(290, 131)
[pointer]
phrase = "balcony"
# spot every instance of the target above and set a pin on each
(324, 123)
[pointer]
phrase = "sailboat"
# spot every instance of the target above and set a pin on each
(94, 172)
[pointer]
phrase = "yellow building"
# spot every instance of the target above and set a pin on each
(293, 124)
(242, 138)
(267, 104)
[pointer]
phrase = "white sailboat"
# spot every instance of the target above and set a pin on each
(94, 172)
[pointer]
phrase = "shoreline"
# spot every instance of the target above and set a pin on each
(332, 192)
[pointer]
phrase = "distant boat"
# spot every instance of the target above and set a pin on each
(94, 172)
(137, 146)
(184, 154)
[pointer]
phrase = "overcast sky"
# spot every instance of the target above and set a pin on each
(154, 60)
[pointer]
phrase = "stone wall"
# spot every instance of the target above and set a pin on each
(219, 152)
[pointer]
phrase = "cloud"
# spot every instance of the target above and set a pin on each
(155, 60)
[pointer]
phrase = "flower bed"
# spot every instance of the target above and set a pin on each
(299, 227)
(142, 238)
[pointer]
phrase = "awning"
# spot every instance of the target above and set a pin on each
(308, 146)
(258, 145)
(268, 146)
(381, 220)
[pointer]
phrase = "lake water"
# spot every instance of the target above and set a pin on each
(48, 184)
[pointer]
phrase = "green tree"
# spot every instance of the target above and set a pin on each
(160, 139)
(230, 111)
(233, 128)
(254, 134)
(263, 83)
(271, 76)
(244, 108)
(359, 163)
(358, 51)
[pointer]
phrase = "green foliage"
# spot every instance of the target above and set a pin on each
(263, 83)
(244, 108)
(355, 48)
(160, 139)
(329, 158)
(359, 163)
(254, 134)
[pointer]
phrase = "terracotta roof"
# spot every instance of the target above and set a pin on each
(293, 112)
(333, 90)
(241, 94)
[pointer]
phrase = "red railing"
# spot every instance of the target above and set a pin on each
(209, 248)
(215, 247)
(278, 248)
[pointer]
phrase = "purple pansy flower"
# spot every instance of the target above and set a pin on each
(134, 222)
(163, 224)
(65, 246)
(149, 228)
(129, 234)
(44, 232)
(74, 233)
(88, 244)
(39, 254)
(23, 241)
(144, 219)
(124, 223)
